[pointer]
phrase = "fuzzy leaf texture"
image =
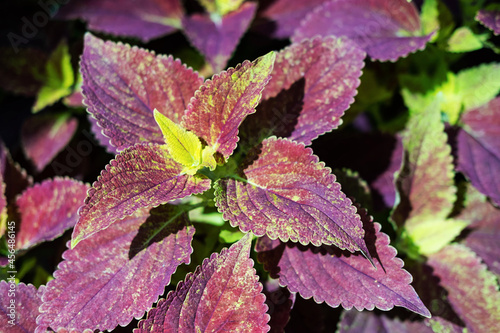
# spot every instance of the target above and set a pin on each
(145, 20)
(312, 84)
(290, 195)
(122, 85)
(385, 29)
(117, 274)
(479, 148)
(144, 175)
(27, 300)
(221, 104)
(341, 278)
(472, 289)
(44, 136)
(425, 183)
(218, 40)
(223, 294)
(48, 209)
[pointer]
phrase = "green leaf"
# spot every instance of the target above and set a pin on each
(220, 7)
(464, 40)
(184, 146)
(429, 18)
(58, 79)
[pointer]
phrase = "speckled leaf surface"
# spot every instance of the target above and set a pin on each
(141, 176)
(122, 86)
(341, 278)
(140, 19)
(353, 321)
(48, 209)
(385, 29)
(472, 289)
(27, 300)
(490, 19)
(479, 148)
(118, 273)
(223, 294)
(44, 136)
(221, 104)
(425, 181)
(312, 84)
(217, 41)
(283, 16)
(290, 195)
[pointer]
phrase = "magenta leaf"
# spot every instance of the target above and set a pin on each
(48, 209)
(490, 19)
(312, 84)
(284, 15)
(118, 273)
(15, 178)
(141, 176)
(221, 104)
(145, 20)
(223, 294)
(472, 289)
(217, 40)
(122, 86)
(353, 321)
(385, 29)
(479, 149)
(44, 136)
(19, 306)
(341, 278)
(289, 195)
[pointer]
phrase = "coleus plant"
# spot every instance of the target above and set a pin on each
(238, 144)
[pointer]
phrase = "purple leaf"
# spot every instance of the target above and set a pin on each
(479, 148)
(353, 321)
(15, 178)
(288, 194)
(425, 181)
(312, 84)
(26, 301)
(48, 209)
(218, 40)
(223, 294)
(122, 86)
(118, 273)
(341, 278)
(284, 15)
(44, 136)
(490, 19)
(142, 19)
(478, 211)
(221, 104)
(280, 302)
(385, 29)
(141, 176)
(472, 289)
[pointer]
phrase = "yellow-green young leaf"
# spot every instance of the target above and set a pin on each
(464, 40)
(429, 18)
(220, 7)
(430, 236)
(184, 146)
(58, 78)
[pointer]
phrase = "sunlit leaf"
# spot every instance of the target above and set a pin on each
(223, 294)
(288, 194)
(144, 175)
(48, 209)
(473, 290)
(221, 104)
(118, 273)
(464, 40)
(122, 86)
(385, 29)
